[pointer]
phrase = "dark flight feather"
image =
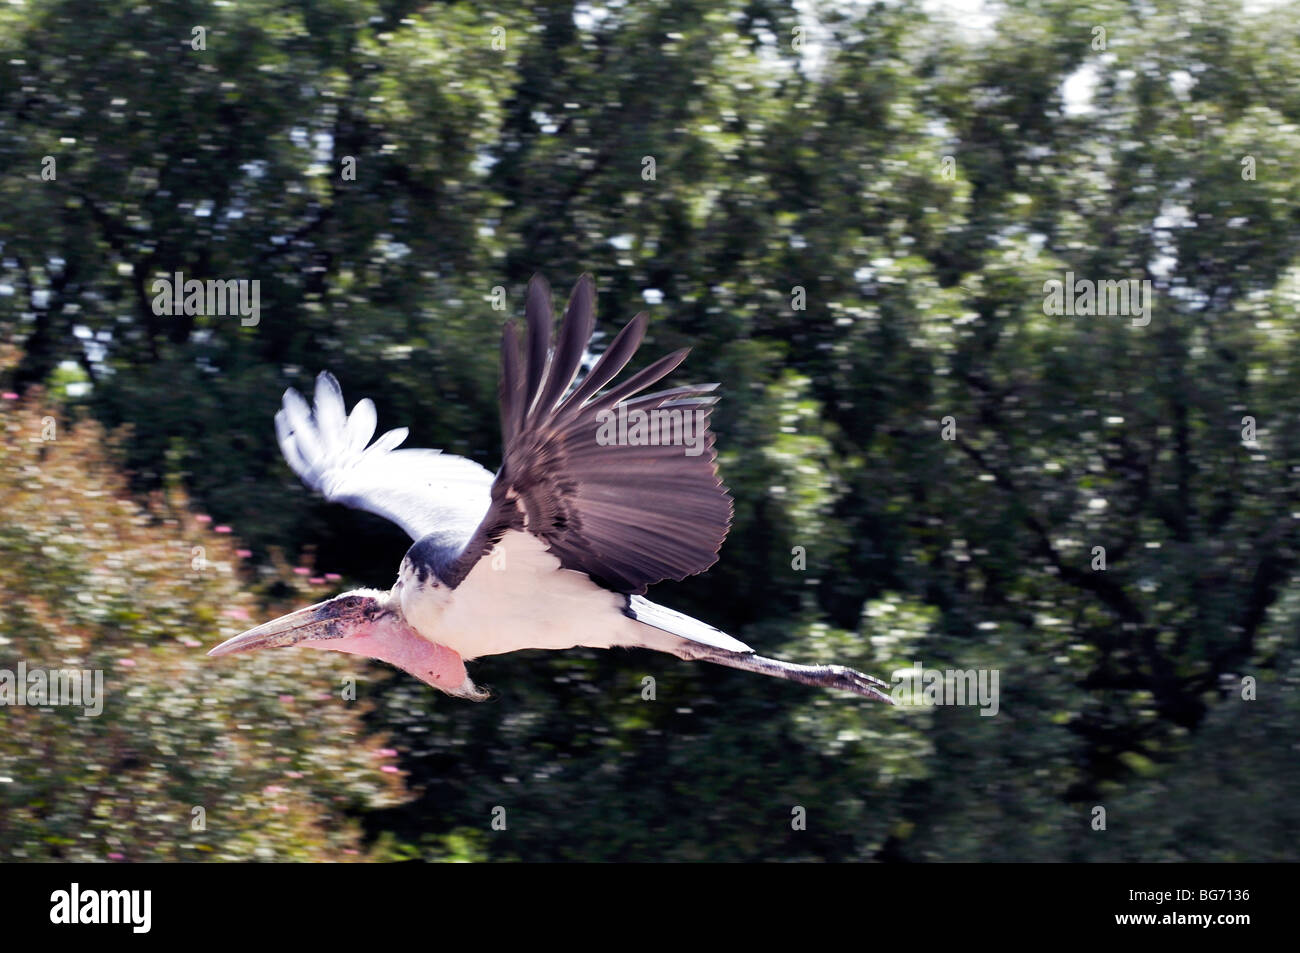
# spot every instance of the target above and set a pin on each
(627, 515)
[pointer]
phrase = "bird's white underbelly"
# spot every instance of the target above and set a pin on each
(520, 598)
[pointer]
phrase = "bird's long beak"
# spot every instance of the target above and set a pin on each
(335, 618)
(362, 623)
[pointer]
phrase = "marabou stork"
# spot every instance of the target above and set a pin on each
(552, 552)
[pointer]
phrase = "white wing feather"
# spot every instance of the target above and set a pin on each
(421, 491)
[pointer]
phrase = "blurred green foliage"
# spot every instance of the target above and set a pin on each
(493, 142)
(188, 760)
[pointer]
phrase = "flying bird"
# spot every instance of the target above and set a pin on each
(558, 547)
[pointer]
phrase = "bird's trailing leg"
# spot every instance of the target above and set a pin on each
(822, 676)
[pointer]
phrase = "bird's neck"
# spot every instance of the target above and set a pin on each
(423, 604)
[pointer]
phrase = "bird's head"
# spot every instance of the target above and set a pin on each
(365, 622)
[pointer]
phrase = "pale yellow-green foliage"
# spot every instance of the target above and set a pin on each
(266, 746)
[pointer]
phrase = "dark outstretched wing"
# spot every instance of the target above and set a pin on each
(581, 476)
(419, 490)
